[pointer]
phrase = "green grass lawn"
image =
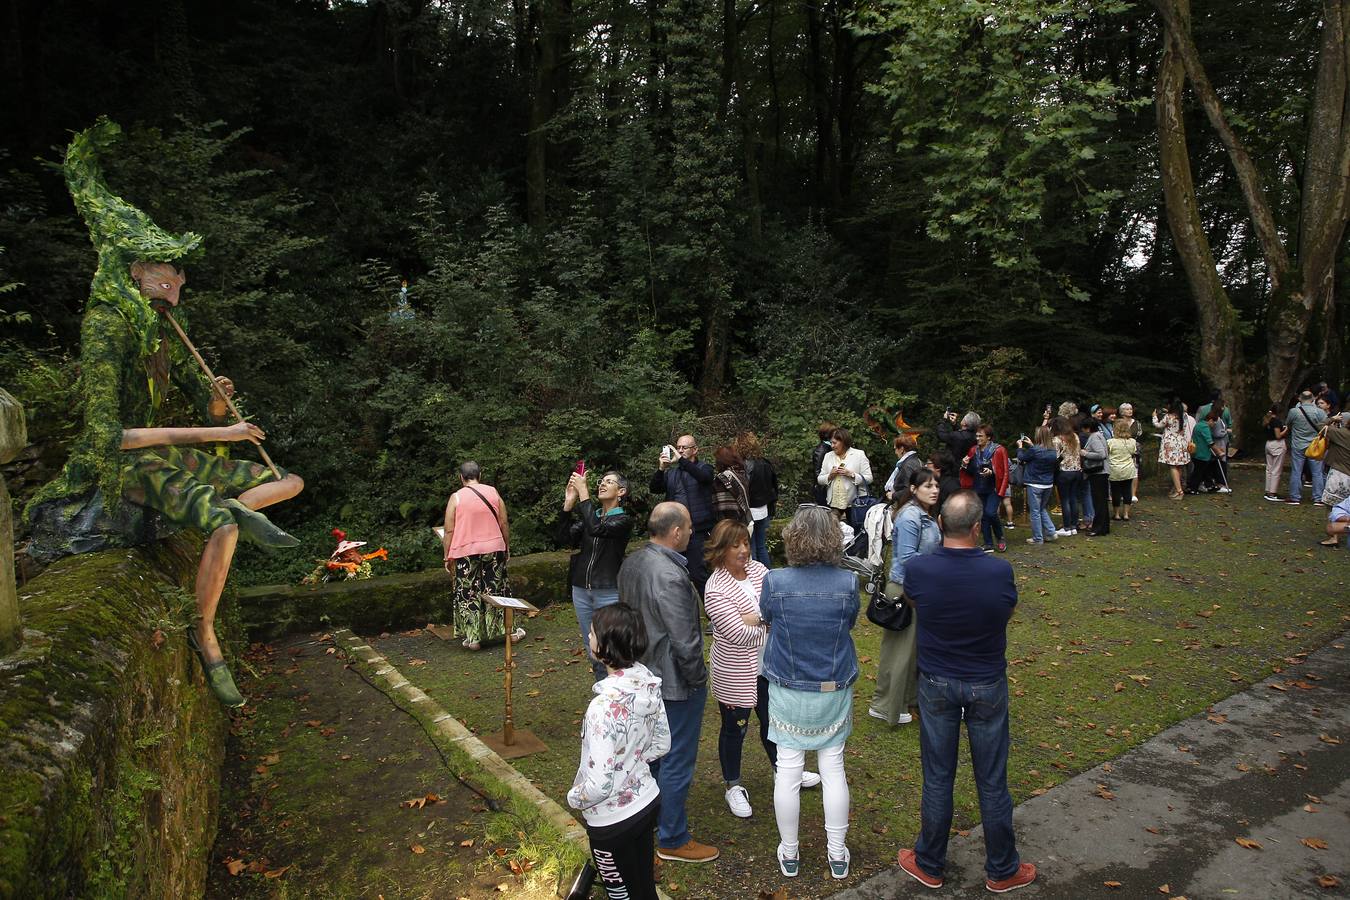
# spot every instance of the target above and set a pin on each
(1114, 639)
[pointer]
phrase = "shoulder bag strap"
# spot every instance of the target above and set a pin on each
(495, 517)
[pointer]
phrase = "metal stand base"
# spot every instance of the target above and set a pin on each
(523, 743)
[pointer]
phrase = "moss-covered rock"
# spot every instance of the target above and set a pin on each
(110, 744)
(387, 602)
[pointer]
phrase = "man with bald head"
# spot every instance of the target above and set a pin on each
(655, 582)
(685, 480)
(962, 602)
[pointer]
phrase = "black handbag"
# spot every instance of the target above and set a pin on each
(893, 615)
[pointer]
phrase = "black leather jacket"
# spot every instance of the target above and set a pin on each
(602, 542)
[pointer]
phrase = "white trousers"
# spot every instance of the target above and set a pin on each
(787, 804)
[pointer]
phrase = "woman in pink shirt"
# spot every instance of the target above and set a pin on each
(477, 541)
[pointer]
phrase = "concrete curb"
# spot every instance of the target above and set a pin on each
(454, 737)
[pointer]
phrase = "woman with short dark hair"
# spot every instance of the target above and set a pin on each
(810, 663)
(845, 472)
(907, 462)
(987, 465)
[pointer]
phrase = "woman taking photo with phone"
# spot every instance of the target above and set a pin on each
(600, 535)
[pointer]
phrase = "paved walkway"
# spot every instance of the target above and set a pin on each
(1270, 765)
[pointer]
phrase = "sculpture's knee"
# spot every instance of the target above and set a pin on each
(294, 482)
(225, 534)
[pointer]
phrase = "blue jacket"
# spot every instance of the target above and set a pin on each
(689, 483)
(810, 611)
(915, 532)
(1040, 464)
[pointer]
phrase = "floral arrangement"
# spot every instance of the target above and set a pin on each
(347, 561)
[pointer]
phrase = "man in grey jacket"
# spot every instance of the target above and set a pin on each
(655, 582)
(1304, 421)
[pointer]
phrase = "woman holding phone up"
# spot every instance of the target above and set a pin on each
(600, 534)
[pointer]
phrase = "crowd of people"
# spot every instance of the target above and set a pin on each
(782, 649)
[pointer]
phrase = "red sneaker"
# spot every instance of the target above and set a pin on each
(905, 859)
(1025, 875)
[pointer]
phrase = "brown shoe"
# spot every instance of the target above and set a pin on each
(691, 852)
(1025, 875)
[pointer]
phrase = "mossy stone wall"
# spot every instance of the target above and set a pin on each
(110, 744)
(388, 602)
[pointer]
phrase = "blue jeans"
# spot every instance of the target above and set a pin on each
(759, 543)
(1071, 487)
(675, 771)
(991, 526)
(941, 702)
(585, 602)
(1298, 460)
(1087, 511)
(1038, 507)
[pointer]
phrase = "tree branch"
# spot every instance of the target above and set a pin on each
(1176, 18)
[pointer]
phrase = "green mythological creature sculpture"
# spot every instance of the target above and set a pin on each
(131, 473)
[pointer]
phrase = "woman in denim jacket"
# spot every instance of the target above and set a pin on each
(916, 531)
(811, 664)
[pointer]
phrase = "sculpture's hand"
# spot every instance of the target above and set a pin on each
(245, 431)
(225, 385)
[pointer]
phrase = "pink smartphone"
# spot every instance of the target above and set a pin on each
(581, 467)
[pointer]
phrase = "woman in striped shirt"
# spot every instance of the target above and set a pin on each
(732, 596)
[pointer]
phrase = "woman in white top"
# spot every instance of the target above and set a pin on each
(844, 471)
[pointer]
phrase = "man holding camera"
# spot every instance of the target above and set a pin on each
(685, 480)
(959, 441)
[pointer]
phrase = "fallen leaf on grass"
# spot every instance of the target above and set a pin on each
(468, 842)
(331, 650)
(420, 802)
(1243, 767)
(234, 866)
(1120, 686)
(1248, 843)
(1153, 829)
(276, 873)
(1141, 679)
(1328, 881)
(1112, 884)
(1104, 793)
(417, 662)
(503, 887)
(1217, 718)
(780, 894)
(1313, 798)
(1328, 739)
(535, 693)
(418, 849)
(1314, 843)
(1308, 807)
(157, 639)
(314, 723)
(271, 759)
(1164, 888)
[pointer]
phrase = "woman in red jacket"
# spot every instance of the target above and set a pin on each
(987, 464)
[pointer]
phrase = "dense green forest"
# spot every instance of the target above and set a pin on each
(618, 219)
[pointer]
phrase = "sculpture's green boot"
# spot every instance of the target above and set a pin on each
(218, 676)
(259, 529)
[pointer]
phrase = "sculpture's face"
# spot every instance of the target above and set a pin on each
(159, 281)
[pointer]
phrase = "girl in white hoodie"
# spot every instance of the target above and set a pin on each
(624, 730)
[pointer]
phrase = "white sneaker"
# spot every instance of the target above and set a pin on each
(810, 779)
(1134, 499)
(876, 715)
(904, 719)
(1063, 532)
(738, 801)
(839, 867)
(1223, 490)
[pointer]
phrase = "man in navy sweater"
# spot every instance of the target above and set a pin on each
(963, 600)
(685, 480)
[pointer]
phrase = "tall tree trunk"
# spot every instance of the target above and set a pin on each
(819, 81)
(1221, 357)
(552, 35)
(1301, 290)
